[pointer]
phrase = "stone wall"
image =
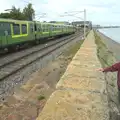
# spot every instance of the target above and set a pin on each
(81, 92)
(107, 58)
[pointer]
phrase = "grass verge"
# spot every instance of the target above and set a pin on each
(41, 97)
(105, 56)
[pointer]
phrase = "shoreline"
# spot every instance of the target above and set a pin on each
(112, 45)
(108, 37)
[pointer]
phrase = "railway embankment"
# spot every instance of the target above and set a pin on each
(107, 52)
(82, 91)
(29, 99)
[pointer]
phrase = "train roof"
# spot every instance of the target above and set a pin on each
(23, 21)
(56, 24)
(12, 20)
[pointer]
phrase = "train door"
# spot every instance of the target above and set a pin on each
(35, 29)
(5, 32)
(40, 27)
(1, 34)
(39, 30)
(50, 29)
(0, 41)
(0, 38)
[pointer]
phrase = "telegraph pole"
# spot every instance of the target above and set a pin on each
(73, 13)
(84, 23)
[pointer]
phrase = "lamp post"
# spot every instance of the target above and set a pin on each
(84, 23)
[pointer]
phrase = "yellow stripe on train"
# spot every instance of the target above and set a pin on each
(15, 36)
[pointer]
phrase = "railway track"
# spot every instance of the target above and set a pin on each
(16, 68)
(19, 55)
(10, 66)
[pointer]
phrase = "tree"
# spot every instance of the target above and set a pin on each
(16, 14)
(29, 12)
(5, 15)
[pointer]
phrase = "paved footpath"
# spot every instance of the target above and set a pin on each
(81, 92)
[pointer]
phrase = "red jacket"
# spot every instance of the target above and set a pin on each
(114, 68)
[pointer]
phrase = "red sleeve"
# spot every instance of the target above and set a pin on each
(112, 68)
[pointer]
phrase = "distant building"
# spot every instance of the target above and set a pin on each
(81, 24)
(96, 26)
(60, 22)
(101, 26)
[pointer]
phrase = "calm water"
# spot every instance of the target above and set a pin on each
(113, 33)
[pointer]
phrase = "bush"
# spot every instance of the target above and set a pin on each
(41, 97)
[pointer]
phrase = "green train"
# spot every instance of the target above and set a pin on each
(15, 33)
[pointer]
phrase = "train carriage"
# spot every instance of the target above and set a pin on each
(45, 30)
(16, 32)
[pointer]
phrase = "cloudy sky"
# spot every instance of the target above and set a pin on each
(103, 12)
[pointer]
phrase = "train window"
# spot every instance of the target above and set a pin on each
(58, 27)
(31, 28)
(47, 29)
(24, 29)
(43, 28)
(53, 28)
(35, 26)
(16, 29)
(5, 27)
(38, 29)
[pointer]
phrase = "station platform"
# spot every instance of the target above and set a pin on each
(81, 92)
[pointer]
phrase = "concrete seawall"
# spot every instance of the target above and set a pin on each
(108, 54)
(81, 92)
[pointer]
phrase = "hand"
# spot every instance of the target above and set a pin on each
(101, 69)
